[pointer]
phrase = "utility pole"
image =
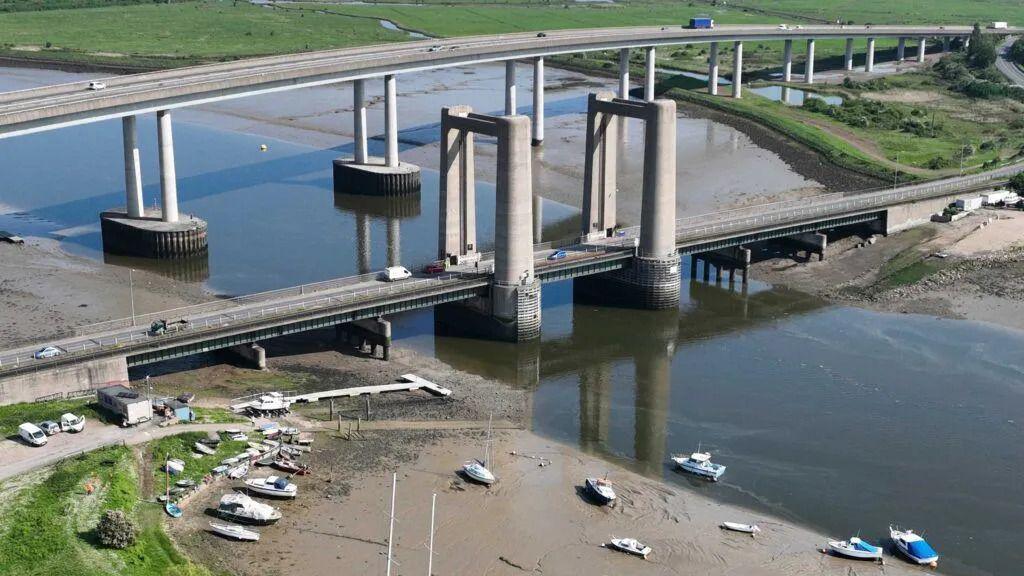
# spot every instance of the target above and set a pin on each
(391, 525)
(896, 174)
(430, 559)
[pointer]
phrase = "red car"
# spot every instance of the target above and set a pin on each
(433, 268)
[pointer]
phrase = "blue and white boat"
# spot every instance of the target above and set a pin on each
(855, 548)
(913, 546)
(600, 489)
(700, 464)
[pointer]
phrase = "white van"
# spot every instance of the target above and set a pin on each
(71, 423)
(394, 273)
(32, 434)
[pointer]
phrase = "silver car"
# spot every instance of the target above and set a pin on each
(48, 352)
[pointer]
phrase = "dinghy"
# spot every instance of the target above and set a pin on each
(239, 471)
(737, 527)
(240, 437)
(220, 469)
(600, 489)
(855, 548)
(201, 447)
(630, 546)
(174, 466)
(914, 547)
(273, 486)
(235, 532)
(291, 466)
(700, 464)
(172, 510)
(185, 483)
(242, 509)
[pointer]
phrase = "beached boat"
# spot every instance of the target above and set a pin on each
(600, 489)
(914, 546)
(238, 507)
(855, 548)
(174, 466)
(258, 446)
(291, 466)
(239, 437)
(475, 469)
(630, 546)
(239, 471)
(204, 448)
(738, 527)
(290, 431)
(172, 510)
(273, 486)
(271, 443)
(305, 438)
(185, 483)
(230, 461)
(236, 532)
(700, 464)
(267, 460)
(220, 469)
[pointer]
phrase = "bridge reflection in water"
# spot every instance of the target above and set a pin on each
(592, 361)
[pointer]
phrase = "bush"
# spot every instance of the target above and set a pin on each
(938, 163)
(1017, 51)
(1017, 183)
(116, 529)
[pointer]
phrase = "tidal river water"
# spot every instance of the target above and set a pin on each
(836, 417)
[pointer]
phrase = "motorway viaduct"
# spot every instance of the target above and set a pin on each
(492, 295)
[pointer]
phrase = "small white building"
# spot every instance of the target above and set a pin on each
(973, 203)
(994, 197)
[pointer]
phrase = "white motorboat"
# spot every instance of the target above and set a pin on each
(239, 471)
(738, 527)
(200, 447)
(174, 466)
(700, 464)
(630, 546)
(476, 470)
(240, 437)
(238, 507)
(236, 532)
(230, 461)
(600, 489)
(855, 548)
(271, 402)
(914, 546)
(273, 486)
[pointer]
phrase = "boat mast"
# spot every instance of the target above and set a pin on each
(430, 559)
(167, 480)
(391, 527)
(487, 444)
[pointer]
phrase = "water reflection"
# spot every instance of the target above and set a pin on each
(193, 270)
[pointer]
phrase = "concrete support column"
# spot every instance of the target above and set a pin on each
(391, 121)
(787, 61)
(901, 49)
(599, 177)
(394, 242)
(713, 69)
(538, 101)
(737, 71)
(650, 74)
(624, 73)
(359, 120)
(510, 87)
(921, 48)
(457, 190)
(809, 66)
(848, 57)
(658, 209)
(132, 171)
(945, 44)
(869, 58)
(168, 179)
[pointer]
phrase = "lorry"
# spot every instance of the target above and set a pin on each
(701, 22)
(127, 405)
(999, 25)
(161, 327)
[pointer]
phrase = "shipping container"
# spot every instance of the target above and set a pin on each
(702, 22)
(969, 203)
(999, 25)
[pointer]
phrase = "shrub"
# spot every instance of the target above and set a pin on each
(116, 529)
(1017, 183)
(939, 163)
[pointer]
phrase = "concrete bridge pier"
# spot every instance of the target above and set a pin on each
(373, 332)
(921, 49)
(787, 61)
(809, 65)
(375, 176)
(163, 234)
(510, 87)
(945, 43)
(809, 242)
(713, 69)
(538, 101)
(253, 354)
(651, 280)
(848, 57)
(457, 243)
(737, 70)
(901, 49)
(724, 260)
(649, 75)
(869, 58)
(599, 176)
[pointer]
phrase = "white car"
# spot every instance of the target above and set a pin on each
(48, 352)
(32, 434)
(71, 423)
(783, 27)
(97, 85)
(395, 273)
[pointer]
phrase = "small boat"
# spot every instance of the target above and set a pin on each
(271, 402)
(239, 437)
(855, 548)
(257, 446)
(172, 510)
(292, 450)
(476, 470)
(290, 431)
(630, 546)
(751, 529)
(291, 466)
(268, 460)
(239, 471)
(600, 489)
(238, 507)
(220, 469)
(236, 532)
(230, 461)
(271, 443)
(204, 448)
(177, 491)
(700, 464)
(914, 546)
(174, 466)
(253, 452)
(273, 486)
(305, 438)
(230, 431)
(185, 483)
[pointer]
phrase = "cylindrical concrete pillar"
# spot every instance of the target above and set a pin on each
(394, 242)
(391, 121)
(945, 43)
(848, 58)
(787, 61)
(921, 48)
(809, 66)
(168, 179)
(359, 120)
(649, 75)
(538, 101)
(869, 58)
(737, 72)
(513, 224)
(658, 208)
(713, 69)
(624, 73)
(132, 170)
(901, 49)
(510, 87)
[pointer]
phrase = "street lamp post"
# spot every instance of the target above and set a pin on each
(896, 174)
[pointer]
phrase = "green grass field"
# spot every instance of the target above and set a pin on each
(903, 12)
(12, 415)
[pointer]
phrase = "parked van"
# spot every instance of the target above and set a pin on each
(32, 434)
(394, 273)
(71, 423)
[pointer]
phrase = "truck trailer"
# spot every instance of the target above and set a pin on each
(702, 22)
(127, 405)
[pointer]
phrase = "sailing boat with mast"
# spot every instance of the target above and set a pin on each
(476, 470)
